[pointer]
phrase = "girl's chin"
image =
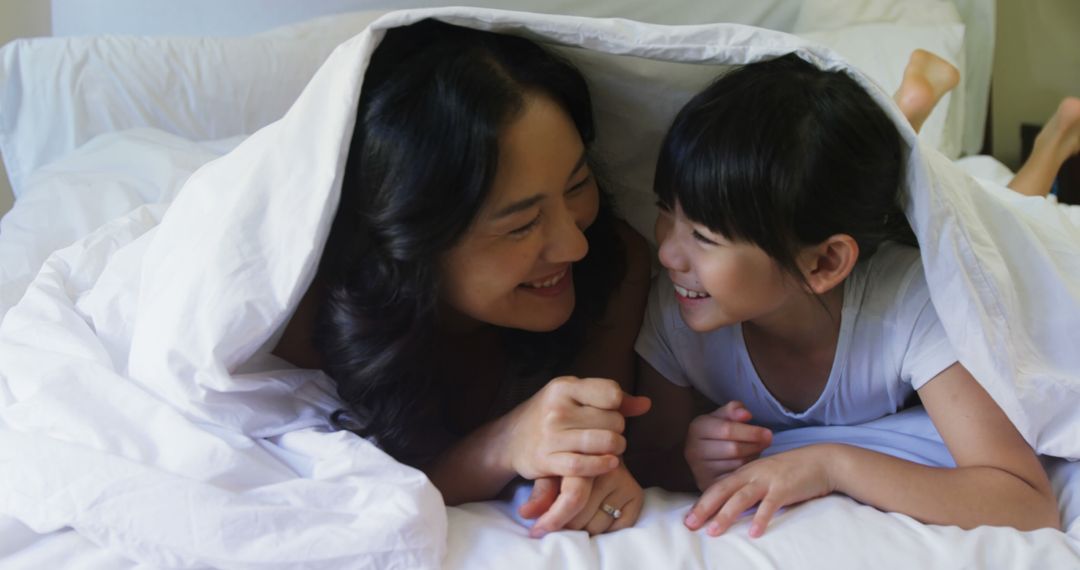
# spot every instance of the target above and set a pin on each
(701, 321)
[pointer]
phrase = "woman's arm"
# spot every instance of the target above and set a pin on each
(572, 428)
(609, 350)
(481, 464)
(608, 353)
(997, 480)
(657, 438)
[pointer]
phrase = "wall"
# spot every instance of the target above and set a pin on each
(1036, 63)
(20, 19)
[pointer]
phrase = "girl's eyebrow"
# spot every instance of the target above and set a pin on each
(533, 200)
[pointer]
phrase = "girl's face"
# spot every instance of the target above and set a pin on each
(718, 282)
(513, 266)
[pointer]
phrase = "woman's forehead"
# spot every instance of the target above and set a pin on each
(539, 152)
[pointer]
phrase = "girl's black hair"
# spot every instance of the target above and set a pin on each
(783, 154)
(423, 158)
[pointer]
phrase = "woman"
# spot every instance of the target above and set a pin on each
(472, 262)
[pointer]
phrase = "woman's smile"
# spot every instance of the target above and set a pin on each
(552, 285)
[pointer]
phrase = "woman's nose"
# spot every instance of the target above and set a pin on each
(567, 241)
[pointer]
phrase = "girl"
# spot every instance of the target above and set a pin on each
(794, 294)
(473, 262)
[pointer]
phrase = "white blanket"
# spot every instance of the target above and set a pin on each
(139, 406)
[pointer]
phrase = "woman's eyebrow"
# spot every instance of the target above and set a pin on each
(577, 167)
(518, 206)
(533, 200)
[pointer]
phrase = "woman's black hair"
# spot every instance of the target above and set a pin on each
(423, 157)
(783, 154)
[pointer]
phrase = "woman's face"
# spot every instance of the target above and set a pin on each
(513, 266)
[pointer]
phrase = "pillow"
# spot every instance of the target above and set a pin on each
(938, 27)
(101, 180)
(882, 51)
(58, 93)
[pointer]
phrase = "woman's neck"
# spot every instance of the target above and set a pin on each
(452, 323)
(470, 368)
(295, 344)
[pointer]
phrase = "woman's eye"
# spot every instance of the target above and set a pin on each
(663, 207)
(525, 229)
(698, 236)
(584, 182)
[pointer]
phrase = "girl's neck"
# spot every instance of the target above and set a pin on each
(805, 324)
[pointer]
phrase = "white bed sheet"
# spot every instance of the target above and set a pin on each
(824, 533)
(93, 336)
(835, 532)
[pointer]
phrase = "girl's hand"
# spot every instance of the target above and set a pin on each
(720, 442)
(771, 483)
(572, 428)
(616, 489)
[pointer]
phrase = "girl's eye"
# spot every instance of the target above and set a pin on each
(701, 238)
(526, 228)
(663, 207)
(577, 187)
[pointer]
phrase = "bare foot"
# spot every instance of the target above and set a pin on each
(1062, 132)
(927, 78)
(1058, 140)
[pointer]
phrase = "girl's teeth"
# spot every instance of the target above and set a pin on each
(690, 294)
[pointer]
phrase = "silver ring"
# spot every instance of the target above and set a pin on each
(611, 511)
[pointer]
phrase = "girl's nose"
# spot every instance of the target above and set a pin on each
(671, 256)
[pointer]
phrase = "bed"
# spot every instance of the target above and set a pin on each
(138, 433)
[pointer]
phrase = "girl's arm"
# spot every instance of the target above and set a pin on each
(685, 442)
(997, 480)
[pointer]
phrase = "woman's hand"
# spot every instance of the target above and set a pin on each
(571, 428)
(721, 441)
(584, 503)
(771, 483)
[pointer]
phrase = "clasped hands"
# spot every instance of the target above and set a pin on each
(569, 438)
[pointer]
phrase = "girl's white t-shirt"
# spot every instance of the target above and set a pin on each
(891, 343)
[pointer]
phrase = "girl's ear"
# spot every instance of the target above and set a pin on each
(828, 263)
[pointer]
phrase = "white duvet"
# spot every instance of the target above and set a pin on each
(143, 423)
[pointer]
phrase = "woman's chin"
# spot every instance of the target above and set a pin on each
(544, 318)
(542, 325)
